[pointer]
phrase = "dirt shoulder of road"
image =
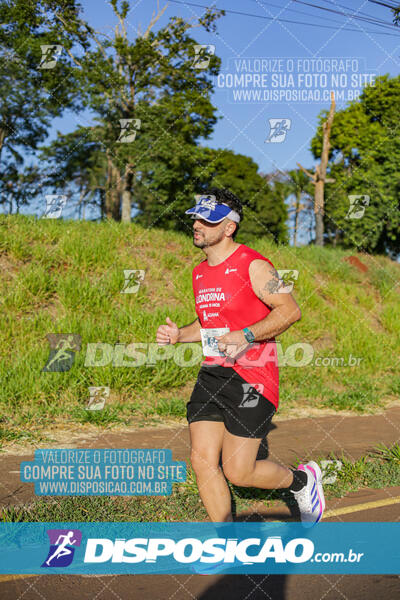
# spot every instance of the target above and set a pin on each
(87, 435)
(289, 440)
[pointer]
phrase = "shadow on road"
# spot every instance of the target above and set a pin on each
(238, 587)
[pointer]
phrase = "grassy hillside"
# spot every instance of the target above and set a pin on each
(67, 277)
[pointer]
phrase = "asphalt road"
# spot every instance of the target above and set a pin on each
(287, 440)
(227, 587)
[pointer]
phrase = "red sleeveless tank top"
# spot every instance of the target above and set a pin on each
(224, 297)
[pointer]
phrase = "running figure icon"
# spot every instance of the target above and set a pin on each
(62, 549)
(62, 351)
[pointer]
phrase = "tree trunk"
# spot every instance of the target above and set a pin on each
(319, 177)
(2, 138)
(319, 212)
(127, 195)
(336, 238)
(107, 199)
(296, 218)
(116, 194)
(81, 195)
(102, 204)
(112, 199)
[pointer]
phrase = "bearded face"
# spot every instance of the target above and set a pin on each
(209, 234)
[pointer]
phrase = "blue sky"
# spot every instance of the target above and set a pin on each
(244, 126)
(286, 42)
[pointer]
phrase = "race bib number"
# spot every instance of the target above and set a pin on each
(208, 341)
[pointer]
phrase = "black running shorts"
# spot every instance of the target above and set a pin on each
(220, 394)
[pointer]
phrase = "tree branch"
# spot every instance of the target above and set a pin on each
(155, 17)
(310, 175)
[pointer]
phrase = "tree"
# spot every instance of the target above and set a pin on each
(31, 71)
(319, 177)
(265, 213)
(362, 206)
(151, 105)
(396, 15)
(298, 185)
(77, 167)
(18, 188)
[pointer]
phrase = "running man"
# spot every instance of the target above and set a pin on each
(242, 304)
(63, 348)
(62, 550)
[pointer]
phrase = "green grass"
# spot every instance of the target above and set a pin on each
(172, 406)
(66, 277)
(378, 469)
(391, 454)
(7, 435)
(178, 507)
(367, 472)
(103, 417)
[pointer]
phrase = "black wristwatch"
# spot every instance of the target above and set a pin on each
(249, 335)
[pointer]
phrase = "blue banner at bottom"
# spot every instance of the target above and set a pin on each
(207, 548)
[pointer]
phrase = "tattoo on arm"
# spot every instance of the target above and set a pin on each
(273, 285)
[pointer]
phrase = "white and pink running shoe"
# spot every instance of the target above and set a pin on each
(310, 498)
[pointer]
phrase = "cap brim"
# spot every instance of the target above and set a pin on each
(195, 215)
(210, 218)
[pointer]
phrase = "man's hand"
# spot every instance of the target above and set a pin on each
(232, 343)
(167, 334)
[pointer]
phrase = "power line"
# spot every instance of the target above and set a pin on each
(359, 12)
(279, 20)
(333, 3)
(293, 10)
(353, 15)
(371, 20)
(384, 4)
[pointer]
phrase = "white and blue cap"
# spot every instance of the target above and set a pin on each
(210, 210)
